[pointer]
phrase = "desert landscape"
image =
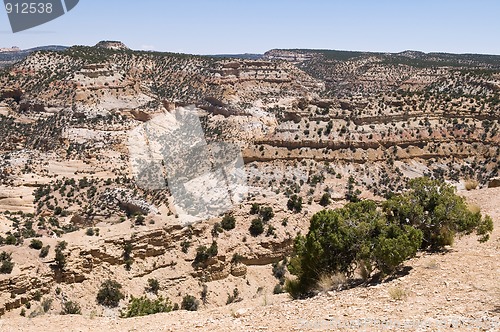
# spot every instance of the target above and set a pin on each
(314, 129)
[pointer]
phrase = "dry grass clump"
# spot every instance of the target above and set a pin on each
(331, 282)
(397, 293)
(471, 185)
(432, 265)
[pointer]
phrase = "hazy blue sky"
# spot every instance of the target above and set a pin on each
(244, 26)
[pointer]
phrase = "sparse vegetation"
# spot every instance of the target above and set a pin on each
(325, 200)
(189, 303)
(320, 141)
(110, 294)
(6, 264)
(185, 246)
(228, 222)
(60, 258)
(71, 308)
(142, 306)
(36, 244)
(256, 227)
(203, 253)
(235, 297)
(153, 286)
(295, 204)
(127, 256)
(37, 296)
(328, 282)
(204, 293)
(397, 293)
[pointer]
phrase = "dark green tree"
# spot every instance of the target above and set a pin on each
(257, 227)
(228, 222)
(339, 240)
(325, 200)
(110, 294)
(434, 208)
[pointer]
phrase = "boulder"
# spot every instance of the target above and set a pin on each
(494, 183)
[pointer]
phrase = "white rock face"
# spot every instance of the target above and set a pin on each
(205, 180)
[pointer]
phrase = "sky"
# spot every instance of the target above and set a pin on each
(256, 26)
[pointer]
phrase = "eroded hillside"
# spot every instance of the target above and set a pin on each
(310, 124)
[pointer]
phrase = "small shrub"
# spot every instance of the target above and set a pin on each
(204, 293)
(153, 286)
(127, 256)
(294, 287)
(295, 204)
(279, 271)
(203, 253)
(257, 227)
(266, 213)
(235, 297)
(90, 232)
(213, 249)
(140, 220)
(110, 294)
(271, 231)
(189, 303)
(6, 264)
(325, 200)
(60, 258)
(11, 240)
(36, 244)
(71, 308)
(474, 208)
(484, 229)
(237, 258)
(255, 209)
(352, 194)
(23, 312)
(228, 222)
(185, 246)
(143, 306)
(37, 296)
(217, 229)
